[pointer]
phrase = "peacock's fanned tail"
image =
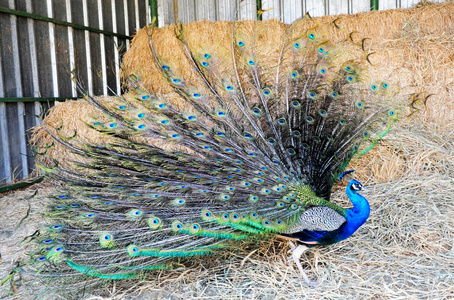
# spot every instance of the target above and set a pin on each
(253, 147)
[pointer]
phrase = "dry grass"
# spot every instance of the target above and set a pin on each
(404, 251)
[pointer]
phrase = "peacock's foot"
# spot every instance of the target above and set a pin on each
(297, 251)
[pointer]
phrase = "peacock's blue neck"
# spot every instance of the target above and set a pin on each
(355, 216)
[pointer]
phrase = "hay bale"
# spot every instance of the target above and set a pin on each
(415, 43)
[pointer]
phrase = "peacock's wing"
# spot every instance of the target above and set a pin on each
(316, 225)
(318, 218)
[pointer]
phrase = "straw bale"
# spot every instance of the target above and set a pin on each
(414, 49)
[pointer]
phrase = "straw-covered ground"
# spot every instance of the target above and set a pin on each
(404, 251)
(406, 248)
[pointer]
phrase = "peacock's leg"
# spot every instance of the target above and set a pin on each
(297, 251)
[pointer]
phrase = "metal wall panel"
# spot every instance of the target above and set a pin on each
(211, 10)
(37, 57)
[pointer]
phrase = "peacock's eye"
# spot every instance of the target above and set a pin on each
(357, 186)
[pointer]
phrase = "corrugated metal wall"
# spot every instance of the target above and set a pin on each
(285, 10)
(37, 56)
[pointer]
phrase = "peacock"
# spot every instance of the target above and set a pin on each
(248, 151)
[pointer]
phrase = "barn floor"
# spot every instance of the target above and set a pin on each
(404, 251)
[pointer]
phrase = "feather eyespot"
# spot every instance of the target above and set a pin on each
(253, 198)
(272, 141)
(154, 222)
(312, 95)
(224, 197)
(256, 111)
(265, 191)
(295, 104)
(177, 225)
(267, 92)
(281, 121)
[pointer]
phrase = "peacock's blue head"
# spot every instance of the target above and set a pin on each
(354, 186)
